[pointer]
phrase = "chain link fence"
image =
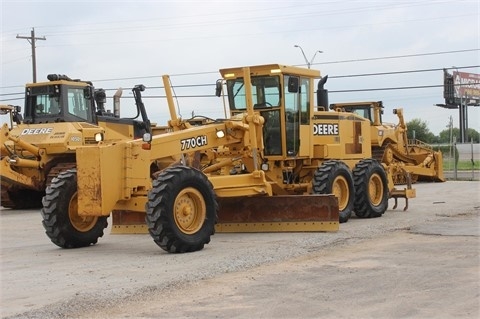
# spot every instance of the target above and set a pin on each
(461, 161)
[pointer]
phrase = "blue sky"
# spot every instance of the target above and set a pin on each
(138, 41)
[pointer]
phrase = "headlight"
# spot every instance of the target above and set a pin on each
(147, 137)
(220, 133)
(98, 137)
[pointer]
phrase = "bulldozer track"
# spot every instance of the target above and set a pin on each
(28, 198)
(399, 178)
(378, 152)
(6, 200)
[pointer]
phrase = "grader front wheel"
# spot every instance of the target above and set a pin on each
(371, 189)
(334, 177)
(189, 210)
(181, 210)
(63, 225)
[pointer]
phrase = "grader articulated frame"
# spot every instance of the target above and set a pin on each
(278, 164)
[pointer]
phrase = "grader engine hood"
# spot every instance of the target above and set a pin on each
(53, 137)
(335, 135)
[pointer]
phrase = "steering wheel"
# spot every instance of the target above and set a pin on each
(260, 105)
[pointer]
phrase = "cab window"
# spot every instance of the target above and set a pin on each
(46, 105)
(265, 92)
(77, 103)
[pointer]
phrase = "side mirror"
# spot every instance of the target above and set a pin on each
(218, 88)
(87, 93)
(293, 84)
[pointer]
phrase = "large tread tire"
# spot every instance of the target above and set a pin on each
(335, 177)
(181, 211)
(63, 225)
(371, 189)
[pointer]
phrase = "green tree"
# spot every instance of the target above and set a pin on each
(473, 134)
(421, 131)
(444, 136)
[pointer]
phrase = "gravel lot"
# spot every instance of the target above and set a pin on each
(422, 263)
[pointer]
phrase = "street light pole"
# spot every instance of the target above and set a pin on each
(305, 57)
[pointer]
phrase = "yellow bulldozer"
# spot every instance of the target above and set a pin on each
(60, 115)
(278, 163)
(391, 146)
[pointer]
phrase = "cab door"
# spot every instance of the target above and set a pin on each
(297, 115)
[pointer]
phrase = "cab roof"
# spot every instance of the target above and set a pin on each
(270, 69)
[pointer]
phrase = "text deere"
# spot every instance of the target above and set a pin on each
(35, 131)
(325, 129)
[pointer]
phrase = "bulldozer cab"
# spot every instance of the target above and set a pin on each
(369, 110)
(282, 96)
(59, 100)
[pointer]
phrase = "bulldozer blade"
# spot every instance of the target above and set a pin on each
(309, 213)
(286, 213)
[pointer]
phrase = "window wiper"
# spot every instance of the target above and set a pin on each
(238, 91)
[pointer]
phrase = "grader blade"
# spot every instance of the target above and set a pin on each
(310, 213)
(278, 214)
(128, 222)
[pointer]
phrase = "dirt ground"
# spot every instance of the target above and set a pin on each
(423, 263)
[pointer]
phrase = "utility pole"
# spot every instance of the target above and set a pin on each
(450, 140)
(31, 39)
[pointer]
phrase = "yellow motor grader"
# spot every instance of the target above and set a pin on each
(60, 115)
(391, 146)
(279, 163)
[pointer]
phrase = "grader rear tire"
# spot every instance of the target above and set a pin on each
(63, 225)
(181, 210)
(371, 189)
(334, 177)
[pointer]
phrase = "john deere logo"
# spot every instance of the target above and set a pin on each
(35, 131)
(325, 129)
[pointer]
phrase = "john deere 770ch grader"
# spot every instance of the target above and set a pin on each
(279, 163)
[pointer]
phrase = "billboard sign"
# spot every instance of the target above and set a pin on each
(466, 87)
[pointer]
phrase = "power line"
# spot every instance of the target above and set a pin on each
(285, 13)
(331, 62)
(333, 76)
(398, 56)
(335, 91)
(320, 63)
(399, 72)
(388, 88)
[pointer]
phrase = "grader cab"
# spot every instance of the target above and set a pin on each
(279, 163)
